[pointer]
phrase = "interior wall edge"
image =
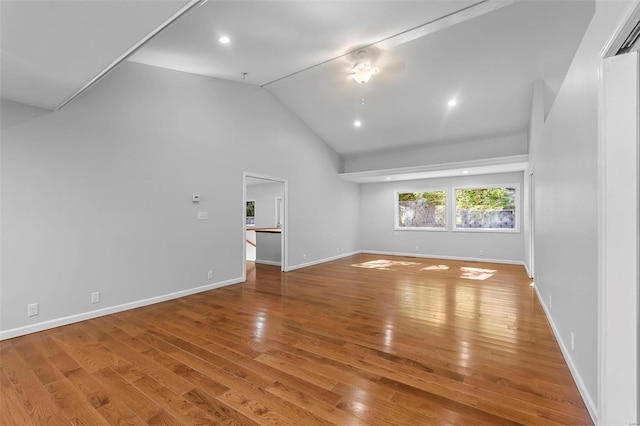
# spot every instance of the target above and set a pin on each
(323, 260)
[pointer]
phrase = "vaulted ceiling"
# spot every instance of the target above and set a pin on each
(485, 55)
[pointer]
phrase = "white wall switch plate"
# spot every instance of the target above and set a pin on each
(95, 297)
(32, 310)
(203, 215)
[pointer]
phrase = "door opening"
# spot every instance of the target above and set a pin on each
(264, 225)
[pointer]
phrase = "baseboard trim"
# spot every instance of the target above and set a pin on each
(267, 262)
(391, 253)
(319, 261)
(588, 401)
(435, 256)
(58, 322)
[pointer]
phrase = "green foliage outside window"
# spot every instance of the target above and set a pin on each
(489, 208)
(422, 209)
(437, 198)
(486, 199)
(251, 208)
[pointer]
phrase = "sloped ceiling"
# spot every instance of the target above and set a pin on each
(50, 49)
(303, 52)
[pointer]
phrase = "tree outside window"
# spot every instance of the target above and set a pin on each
(486, 208)
(422, 210)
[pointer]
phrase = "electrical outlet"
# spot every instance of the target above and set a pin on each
(573, 341)
(304, 256)
(210, 275)
(417, 248)
(549, 300)
(32, 310)
(95, 297)
(481, 253)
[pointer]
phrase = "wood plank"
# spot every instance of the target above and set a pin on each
(105, 401)
(73, 405)
(27, 387)
(11, 409)
(144, 407)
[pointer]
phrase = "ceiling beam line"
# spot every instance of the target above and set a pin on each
(453, 18)
(131, 51)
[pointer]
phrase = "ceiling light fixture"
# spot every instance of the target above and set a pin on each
(363, 73)
(224, 40)
(357, 123)
(452, 102)
(465, 172)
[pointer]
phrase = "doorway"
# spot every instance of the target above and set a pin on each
(264, 233)
(532, 224)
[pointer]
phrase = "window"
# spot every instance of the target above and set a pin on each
(486, 209)
(421, 210)
(251, 213)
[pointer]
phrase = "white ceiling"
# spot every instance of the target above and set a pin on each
(299, 51)
(272, 39)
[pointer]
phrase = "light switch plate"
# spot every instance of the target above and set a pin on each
(203, 215)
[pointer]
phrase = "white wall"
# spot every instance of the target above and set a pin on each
(565, 166)
(450, 152)
(264, 194)
(97, 196)
(377, 223)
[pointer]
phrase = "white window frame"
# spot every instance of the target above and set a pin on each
(396, 210)
(514, 230)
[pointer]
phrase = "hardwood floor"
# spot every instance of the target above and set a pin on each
(377, 340)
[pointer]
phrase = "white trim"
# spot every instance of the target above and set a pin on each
(621, 32)
(325, 260)
(396, 210)
(437, 256)
(422, 229)
(530, 221)
(278, 211)
(602, 254)
(268, 262)
(618, 240)
(507, 164)
(584, 393)
(518, 205)
(58, 322)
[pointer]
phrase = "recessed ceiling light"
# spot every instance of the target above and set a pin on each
(388, 178)
(465, 172)
(452, 102)
(224, 40)
(357, 123)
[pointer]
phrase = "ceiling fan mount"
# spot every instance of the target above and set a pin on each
(363, 70)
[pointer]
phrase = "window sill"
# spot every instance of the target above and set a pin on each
(422, 229)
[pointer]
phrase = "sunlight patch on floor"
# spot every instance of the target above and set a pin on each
(383, 264)
(470, 273)
(435, 268)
